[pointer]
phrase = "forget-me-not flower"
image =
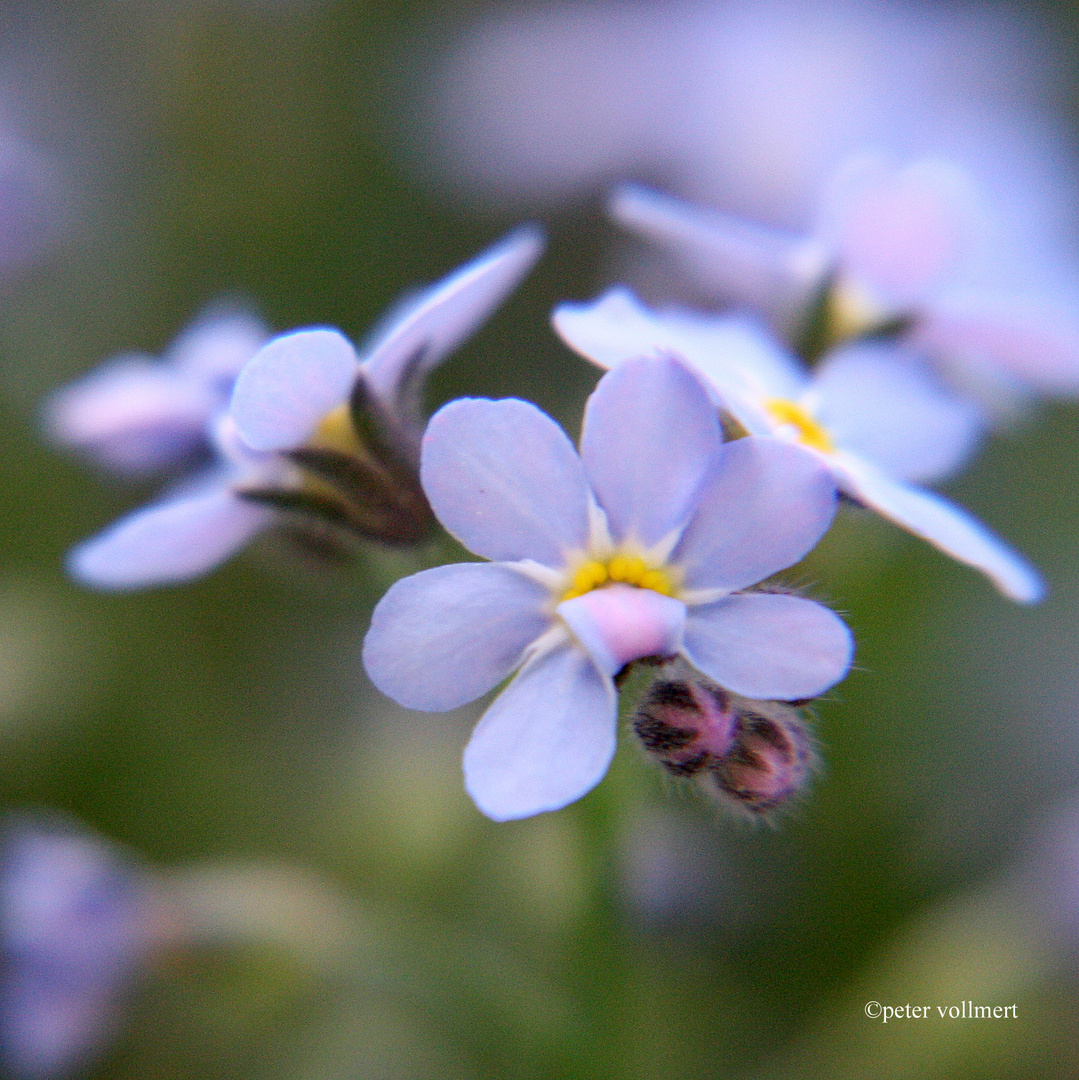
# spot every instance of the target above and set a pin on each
(871, 416)
(137, 415)
(315, 429)
(639, 546)
(901, 251)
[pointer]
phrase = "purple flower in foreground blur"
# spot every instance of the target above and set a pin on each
(136, 415)
(312, 429)
(638, 547)
(867, 413)
(75, 927)
(894, 251)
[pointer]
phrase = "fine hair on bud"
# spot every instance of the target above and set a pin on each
(770, 762)
(754, 757)
(687, 724)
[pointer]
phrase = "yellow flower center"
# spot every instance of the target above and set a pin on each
(852, 311)
(809, 431)
(626, 569)
(337, 432)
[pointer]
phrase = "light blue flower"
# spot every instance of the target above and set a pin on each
(914, 250)
(76, 925)
(639, 546)
(293, 415)
(137, 415)
(867, 413)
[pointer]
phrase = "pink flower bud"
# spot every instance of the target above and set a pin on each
(770, 761)
(687, 724)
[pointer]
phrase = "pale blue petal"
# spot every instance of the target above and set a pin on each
(620, 623)
(217, 345)
(1036, 342)
(765, 507)
(879, 401)
(946, 526)
(898, 233)
(608, 331)
(446, 636)
(744, 264)
(170, 541)
(650, 436)
(443, 316)
(290, 385)
(769, 645)
(504, 479)
(734, 354)
(547, 739)
(132, 415)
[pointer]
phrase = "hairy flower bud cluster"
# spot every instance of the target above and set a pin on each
(755, 756)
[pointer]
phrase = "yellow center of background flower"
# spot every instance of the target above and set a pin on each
(809, 431)
(337, 432)
(852, 311)
(625, 569)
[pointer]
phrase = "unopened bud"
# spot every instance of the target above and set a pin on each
(753, 755)
(686, 724)
(770, 760)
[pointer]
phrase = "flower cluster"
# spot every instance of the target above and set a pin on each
(641, 546)
(713, 454)
(302, 426)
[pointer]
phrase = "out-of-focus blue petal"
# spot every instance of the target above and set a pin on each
(290, 385)
(898, 233)
(650, 436)
(766, 506)
(742, 263)
(74, 917)
(734, 354)
(880, 402)
(218, 343)
(445, 636)
(173, 540)
(621, 623)
(766, 645)
(132, 415)
(946, 526)
(503, 478)
(443, 316)
(547, 739)
(1034, 342)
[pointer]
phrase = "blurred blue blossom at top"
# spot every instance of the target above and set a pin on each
(638, 547)
(910, 252)
(747, 104)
